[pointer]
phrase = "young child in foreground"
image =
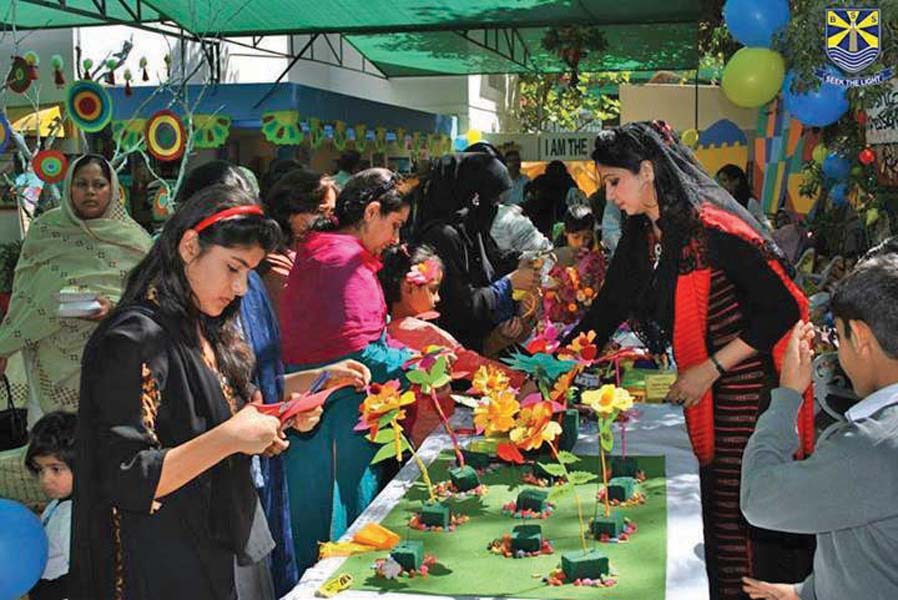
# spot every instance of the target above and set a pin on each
(51, 458)
(411, 278)
(845, 491)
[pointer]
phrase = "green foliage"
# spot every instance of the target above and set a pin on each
(801, 44)
(560, 491)
(383, 436)
(387, 418)
(567, 458)
(389, 450)
(581, 477)
(553, 469)
(547, 101)
(436, 378)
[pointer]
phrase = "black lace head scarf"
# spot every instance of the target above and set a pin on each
(682, 187)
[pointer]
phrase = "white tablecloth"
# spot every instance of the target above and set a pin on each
(659, 430)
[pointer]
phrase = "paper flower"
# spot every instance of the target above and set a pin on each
(544, 367)
(607, 399)
(384, 400)
(573, 289)
(582, 349)
(488, 379)
(546, 340)
(535, 426)
(424, 272)
(561, 387)
(497, 414)
(426, 358)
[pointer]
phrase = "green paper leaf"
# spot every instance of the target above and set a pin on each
(418, 377)
(567, 458)
(581, 477)
(438, 370)
(442, 381)
(553, 469)
(389, 451)
(387, 418)
(559, 491)
(383, 436)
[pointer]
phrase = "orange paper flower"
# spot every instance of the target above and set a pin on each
(488, 379)
(535, 426)
(384, 399)
(497, 414)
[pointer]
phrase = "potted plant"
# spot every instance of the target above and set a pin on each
(9, 257)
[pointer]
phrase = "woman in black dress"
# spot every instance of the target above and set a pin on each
(164, 501)
(695, 270)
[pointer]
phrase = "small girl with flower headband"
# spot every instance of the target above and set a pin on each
(411, 277)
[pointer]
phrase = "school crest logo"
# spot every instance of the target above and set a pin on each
(853, 37)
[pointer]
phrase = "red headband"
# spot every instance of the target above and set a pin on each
(250, 209)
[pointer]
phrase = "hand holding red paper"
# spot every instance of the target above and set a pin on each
(299, 408)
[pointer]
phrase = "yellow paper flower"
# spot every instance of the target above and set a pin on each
(382, 401)
(497, 414)
(535, 426)
(489, 379)
(607, 399)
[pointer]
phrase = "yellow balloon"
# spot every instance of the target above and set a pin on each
(753, 77)
(473, 136)
(690, 137)
(819, 153)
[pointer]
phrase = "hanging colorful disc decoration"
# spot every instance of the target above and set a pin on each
(5, 133)
(88, 105)
(50, 165)
(165, 135)
(162, 206)
(18, 79)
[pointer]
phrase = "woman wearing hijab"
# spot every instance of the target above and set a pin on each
(694, 269)
(549, 196)
(456, 210)
(89, 243)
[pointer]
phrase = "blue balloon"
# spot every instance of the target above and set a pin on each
(836, 167)
(753, 22)
(460, 143)
(839, 194)
(817, 108)
(23, 546)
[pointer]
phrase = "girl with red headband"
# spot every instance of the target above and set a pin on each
(164, 499)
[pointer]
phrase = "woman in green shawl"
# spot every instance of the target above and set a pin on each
(89, 243)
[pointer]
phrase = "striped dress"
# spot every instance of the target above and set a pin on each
(733, 548)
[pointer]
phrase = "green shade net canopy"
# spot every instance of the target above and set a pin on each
(415, 37)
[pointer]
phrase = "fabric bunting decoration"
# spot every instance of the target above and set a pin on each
(211, 131)
(282, 127)
(128, 134)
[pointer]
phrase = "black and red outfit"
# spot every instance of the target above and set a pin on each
(722, 281)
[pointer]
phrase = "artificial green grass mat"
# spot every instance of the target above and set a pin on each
(465, 566)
